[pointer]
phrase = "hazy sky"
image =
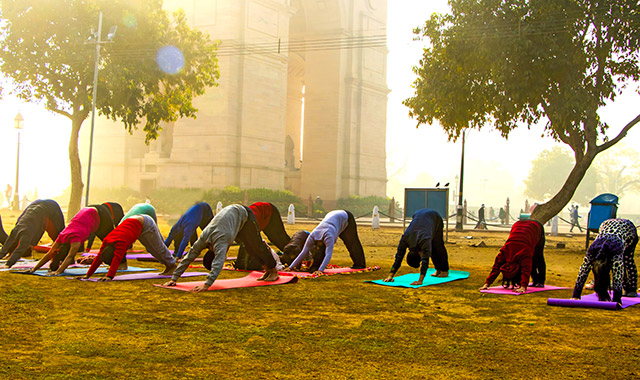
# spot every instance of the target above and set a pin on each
(415, 157)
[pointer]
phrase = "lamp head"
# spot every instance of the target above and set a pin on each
(18, 121)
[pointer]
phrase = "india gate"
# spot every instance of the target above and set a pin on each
(300, 106)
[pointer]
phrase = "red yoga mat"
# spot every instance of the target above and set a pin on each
(249, 281)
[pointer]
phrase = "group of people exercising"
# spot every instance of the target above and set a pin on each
(520, 259)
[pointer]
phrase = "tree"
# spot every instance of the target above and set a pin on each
(547, 174)
(45, 54)
(514, 62)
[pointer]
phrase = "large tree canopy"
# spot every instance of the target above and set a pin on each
(519, 62)
(46, 51)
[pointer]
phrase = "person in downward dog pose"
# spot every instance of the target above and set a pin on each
(294, 247)
(611, 251)
(234, 222)
(70, 240)
(114, 246)
(40, 216)
(521, 257)
(269, 222)
(319, 245)
(424, 239)
(184, 231)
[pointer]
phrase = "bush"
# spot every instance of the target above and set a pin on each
(231, 194)
(363, 206)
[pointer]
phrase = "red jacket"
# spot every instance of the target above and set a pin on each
(122, 237)
(517, 252)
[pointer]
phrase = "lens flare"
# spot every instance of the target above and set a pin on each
(170, 59)
(129, 20)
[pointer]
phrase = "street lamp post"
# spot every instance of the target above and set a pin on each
(18, 124)
(96, 69)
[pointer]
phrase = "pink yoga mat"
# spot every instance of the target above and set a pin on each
(501, 290)
(591, 301)
(327, 272)
(330, 272)
(250, 280)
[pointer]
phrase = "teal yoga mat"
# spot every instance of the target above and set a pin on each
(83, 271)
(405, 281)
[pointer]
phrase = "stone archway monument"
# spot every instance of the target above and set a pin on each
(301, 105)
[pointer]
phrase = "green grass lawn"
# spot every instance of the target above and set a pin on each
(333, 327)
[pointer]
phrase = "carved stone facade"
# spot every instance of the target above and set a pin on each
(295, 74)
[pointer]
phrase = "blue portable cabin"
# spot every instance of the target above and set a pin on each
(603, 207)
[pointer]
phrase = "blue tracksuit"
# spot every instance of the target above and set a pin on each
(185, 228)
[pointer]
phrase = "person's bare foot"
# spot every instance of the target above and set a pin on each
(270, 275)
(441, 274)
(169, 269)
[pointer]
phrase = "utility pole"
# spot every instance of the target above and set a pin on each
(96, 69)
(459, 218)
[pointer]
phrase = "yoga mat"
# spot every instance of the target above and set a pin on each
(501, 290)
(145, 276)
(251, 280)
(330, 272)
(29, 265)
(405, 281)
(83, 271)
(591, 301)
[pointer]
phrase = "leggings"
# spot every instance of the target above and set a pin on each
(350, 239)
(538, 265)
(20, 242)
(275, 230)
(439, 254)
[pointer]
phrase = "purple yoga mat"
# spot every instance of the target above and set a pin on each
(146, 276)
(501, 290)
(591, 301)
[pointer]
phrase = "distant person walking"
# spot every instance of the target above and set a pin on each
(482, 223)
(575, 218)
(502, 215)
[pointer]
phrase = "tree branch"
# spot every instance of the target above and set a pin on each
(620, 136)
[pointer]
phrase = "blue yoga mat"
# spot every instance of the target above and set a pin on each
(83, 271)
(405, 280)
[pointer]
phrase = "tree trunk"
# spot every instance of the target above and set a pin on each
(75, 199)
(544, 212)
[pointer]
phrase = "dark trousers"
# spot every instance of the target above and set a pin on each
(249, 237)
(439, 255)
(20, 241)
(538, 265)
(350, 239)
(275, 230)
(3, 235)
